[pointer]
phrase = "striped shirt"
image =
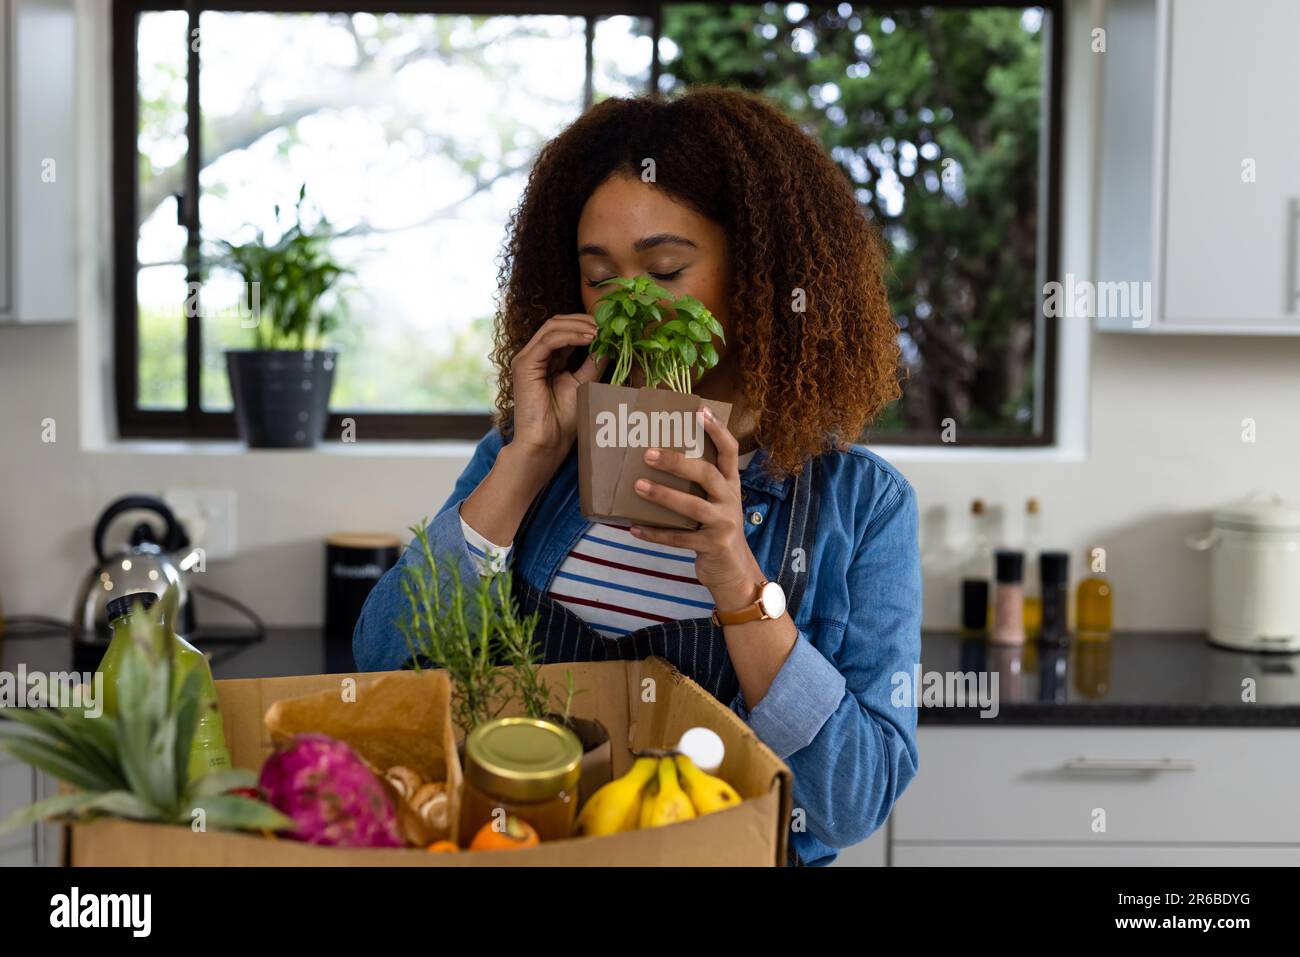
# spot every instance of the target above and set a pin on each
(615, 582)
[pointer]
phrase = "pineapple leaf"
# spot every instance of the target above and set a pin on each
(187, 722)
(69, 735)
(50, 807)
(136, 717)
(122, 804)
(219, 782)
(235, 812)
(164, 793)
(48, 756)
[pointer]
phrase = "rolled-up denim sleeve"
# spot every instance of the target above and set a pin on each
(377, 643)
(848, 738)
(803, 695)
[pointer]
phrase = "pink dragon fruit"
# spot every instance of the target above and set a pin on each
(330, 794)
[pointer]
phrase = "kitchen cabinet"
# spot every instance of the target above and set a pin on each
(37, 164)
(40, 845)
(1050, 795)
(1198, 188)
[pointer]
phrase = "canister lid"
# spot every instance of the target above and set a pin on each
(128, 603)
(1258, 516)
(1010, 565)
(522, 759)
(1054, 567)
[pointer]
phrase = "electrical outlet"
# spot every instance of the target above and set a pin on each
(208, 515)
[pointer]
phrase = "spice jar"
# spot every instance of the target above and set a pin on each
(524, 768)
(1009, 599)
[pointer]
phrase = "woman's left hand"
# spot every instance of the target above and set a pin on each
(723, 562)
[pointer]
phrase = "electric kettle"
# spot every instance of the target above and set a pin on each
(149, 563)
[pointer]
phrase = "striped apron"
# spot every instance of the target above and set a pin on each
(694, 646)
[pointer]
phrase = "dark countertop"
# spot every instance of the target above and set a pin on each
(1131, 680)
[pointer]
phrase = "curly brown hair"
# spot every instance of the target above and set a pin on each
(814, 379)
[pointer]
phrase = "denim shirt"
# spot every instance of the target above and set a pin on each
(830, 711)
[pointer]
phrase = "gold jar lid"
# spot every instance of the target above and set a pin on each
(522, 759)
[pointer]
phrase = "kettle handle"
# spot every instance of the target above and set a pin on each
(174, 538)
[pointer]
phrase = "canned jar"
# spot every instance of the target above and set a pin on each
(525, 768)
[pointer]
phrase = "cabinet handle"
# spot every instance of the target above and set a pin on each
(1130, 765)
(1292, 222)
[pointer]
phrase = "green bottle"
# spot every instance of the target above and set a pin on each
(208, 751)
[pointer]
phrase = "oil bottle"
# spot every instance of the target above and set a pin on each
(1093, 600)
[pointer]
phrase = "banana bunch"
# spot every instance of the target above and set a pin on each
(657, 791)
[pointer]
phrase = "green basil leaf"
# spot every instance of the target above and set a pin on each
(687, 352)
(618, 325)
(698, 332)
(709, 355)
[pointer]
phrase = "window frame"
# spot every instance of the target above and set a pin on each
(193, 422)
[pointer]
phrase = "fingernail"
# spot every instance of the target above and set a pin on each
(652, 455)
(706, 413)
(589, 335)
(642, 485)
(636, 530)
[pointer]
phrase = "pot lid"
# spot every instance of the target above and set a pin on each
(1258, 515)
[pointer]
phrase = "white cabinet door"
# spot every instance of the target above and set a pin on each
(1099, 786)
(16, 792)
(1230, 245)
(6, 135)
(873, 852)
(1046, 855)
(38, 277)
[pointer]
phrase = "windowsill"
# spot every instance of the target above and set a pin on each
(433, 448)
(902, 454)
(461, 449)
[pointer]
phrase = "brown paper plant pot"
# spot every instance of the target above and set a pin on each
(610, 419)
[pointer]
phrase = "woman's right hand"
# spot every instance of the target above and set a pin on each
(546, 394)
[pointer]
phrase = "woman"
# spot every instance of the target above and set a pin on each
(719, 196)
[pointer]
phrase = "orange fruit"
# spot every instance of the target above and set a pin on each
(517, 834)
(442, 847)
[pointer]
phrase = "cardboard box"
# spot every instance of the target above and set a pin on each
(607, 470)
(644, 704)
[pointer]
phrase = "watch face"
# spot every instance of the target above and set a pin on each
(772, 599)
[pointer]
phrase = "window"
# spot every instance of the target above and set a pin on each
(413, 126)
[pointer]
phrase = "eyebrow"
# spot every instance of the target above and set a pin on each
(641, 245)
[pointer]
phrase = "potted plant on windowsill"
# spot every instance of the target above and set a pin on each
(672, 342)
(281, 387)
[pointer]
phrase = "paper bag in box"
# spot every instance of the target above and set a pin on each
(401, 718)
(612, 417)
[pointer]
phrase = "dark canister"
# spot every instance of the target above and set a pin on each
(1054, 575)
(354, 561)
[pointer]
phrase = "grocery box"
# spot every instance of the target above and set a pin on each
(644, 704)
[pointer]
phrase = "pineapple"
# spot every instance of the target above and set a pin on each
(135, 764)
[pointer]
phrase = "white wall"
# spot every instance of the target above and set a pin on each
(1163, 444)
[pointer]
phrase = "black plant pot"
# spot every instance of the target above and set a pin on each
(282, 398)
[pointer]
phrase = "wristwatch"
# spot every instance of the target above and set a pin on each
(770, 603)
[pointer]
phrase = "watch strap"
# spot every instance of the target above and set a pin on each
(751, 612)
